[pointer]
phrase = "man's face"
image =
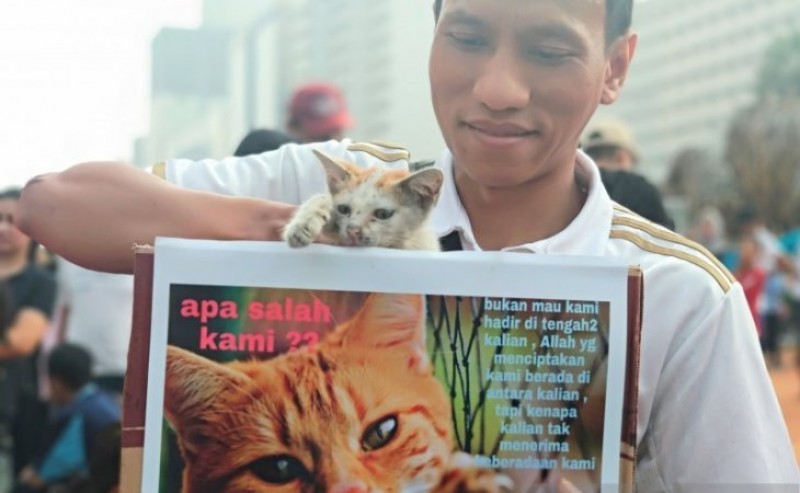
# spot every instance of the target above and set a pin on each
(12, 240)
(514, 83)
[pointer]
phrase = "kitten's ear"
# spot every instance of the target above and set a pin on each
(193, 383)
(392, 322)
(423, 187)
(336, 171)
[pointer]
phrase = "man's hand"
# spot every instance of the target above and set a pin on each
(29, 478)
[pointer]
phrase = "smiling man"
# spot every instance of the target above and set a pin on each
(514, 83)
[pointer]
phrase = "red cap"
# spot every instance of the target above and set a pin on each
(319, 109)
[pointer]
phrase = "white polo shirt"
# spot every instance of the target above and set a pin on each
(707, 410)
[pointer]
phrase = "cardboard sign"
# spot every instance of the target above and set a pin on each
(259, 368)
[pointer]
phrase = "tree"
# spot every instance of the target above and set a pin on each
(762, 148)
(699, 179)
(764, 157)
(780, 70)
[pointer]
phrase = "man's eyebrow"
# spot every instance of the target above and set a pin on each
(461, 16)
(556, 31)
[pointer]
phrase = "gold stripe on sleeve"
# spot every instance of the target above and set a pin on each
(672, 252)
(397, 155)
(388, 145)
(666, 235)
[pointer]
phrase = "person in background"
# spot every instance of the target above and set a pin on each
(774, 314)
(6, 400)
(82, 412)
(261, 140)
(94, 310)
(790, 241)
(610, 144)
(772, 256)
(709, 231)
(31, 293)
(318, 113)
(752, 278)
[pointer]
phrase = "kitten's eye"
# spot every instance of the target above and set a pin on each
(383, 214)
(380, 433)
(343, 209)
(279, 469)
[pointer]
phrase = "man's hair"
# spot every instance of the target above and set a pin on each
(619, 16)
(11, 194)
(71, 364)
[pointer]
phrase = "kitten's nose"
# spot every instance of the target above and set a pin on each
(354, 232)
(349, 487)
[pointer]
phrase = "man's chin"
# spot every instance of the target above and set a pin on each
(492, 177)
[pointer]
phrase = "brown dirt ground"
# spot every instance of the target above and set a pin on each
(787, 385)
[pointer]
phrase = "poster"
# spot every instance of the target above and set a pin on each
(331, 369)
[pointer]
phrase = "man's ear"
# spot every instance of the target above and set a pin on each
(618, 63)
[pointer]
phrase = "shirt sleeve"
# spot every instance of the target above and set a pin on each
(716, 424)
(291, 174)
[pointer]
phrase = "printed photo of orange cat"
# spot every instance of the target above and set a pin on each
(360, 412)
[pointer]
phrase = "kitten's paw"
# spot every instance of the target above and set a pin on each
(464, 476)
(299, 235)
(308, 223)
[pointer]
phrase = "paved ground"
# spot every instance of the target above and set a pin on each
(787, 386)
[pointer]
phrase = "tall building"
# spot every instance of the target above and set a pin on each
(696, 64)
(198, 84)
(376, 51)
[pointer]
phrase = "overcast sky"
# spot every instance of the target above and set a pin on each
(74, 79)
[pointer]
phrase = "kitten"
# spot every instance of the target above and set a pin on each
(369, 207)
(360, 412)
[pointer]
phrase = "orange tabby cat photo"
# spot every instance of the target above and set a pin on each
(360, 412)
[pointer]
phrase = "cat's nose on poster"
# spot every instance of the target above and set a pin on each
(349, 487)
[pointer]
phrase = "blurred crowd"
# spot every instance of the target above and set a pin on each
(766, 263)
(63, 352)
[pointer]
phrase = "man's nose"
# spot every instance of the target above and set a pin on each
(501, 85)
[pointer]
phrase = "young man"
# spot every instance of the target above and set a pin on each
(513, 85)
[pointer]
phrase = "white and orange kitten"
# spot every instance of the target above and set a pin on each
(373, 206)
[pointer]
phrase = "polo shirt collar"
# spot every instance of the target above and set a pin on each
(587, 234)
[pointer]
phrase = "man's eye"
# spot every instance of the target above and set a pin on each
(468, 41)
(548, 54)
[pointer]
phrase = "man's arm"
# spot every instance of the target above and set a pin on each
(93, 213)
